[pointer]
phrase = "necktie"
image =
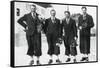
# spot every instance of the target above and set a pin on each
(33, 15)
(53, 20)
(67, 20)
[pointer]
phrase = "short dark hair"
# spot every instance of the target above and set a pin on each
(67, 12)
(33, 5)
(84, 7)
(52, 10)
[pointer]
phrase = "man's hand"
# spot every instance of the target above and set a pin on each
(39, 28)
(80, 27)
(60, 39)
(57, 44)
(84, 25)
(27, 28)
(75, 38)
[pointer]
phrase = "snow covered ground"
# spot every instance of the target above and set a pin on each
(21, 59)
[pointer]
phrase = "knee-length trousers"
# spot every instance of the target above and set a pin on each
(51, 39)
(68, 49)
(34, 44)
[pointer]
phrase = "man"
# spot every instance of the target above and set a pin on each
(51, 28)
(69, 32)
(32, 26)
(85, 25)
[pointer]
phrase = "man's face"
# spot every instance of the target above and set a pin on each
(53, 13)
(67, 15)
(84, 11)
(33, 9)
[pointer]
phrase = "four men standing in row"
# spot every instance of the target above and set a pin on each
(56, 30)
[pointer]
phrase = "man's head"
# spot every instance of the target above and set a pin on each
(84, 10)
(53, 12)
(33, 8)
(67, 14)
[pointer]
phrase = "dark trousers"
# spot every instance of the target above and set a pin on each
(85, 44)
(34, 44)
(51, 39)
(68, 49)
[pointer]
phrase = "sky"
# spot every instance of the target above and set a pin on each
(45, 12)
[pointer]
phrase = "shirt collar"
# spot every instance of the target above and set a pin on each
(84, 14)
(67, 19)
(53, 18)
(33, 13)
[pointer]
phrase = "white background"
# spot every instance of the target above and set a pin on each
(21, 59)
(5, 34)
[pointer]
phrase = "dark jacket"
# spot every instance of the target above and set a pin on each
(31, 23)
(85, 33)
(89, 22)
(52, 28)
(70, 29)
